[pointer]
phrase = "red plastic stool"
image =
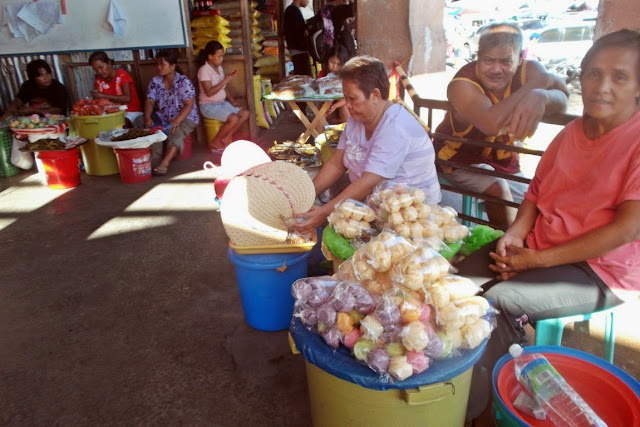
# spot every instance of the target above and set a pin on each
(186, 150)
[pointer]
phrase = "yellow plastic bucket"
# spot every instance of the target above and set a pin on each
(345, 392)
(326, 150)
(336, 402)
(212, 127)
(98, 160)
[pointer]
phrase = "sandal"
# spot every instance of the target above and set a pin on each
(160, 170)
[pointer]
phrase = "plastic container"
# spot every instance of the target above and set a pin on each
(6, 141)
(265, 283)
(591, 377)
(134, 165)
(562, 403)
(60, 168)
(345, 392)
(212, 127)
(98, 160)
(186, 149)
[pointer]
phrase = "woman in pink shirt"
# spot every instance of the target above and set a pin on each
(574, 247)
(215, 102)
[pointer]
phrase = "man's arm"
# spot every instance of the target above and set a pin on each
(541, 91)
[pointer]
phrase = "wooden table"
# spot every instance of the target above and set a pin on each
(319, 120)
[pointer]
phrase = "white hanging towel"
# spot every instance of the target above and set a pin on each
(116, 18)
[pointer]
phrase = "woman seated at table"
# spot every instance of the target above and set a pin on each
(574, 246)
(175, 97)
(115, 84)
(40, 94)
(381, 141)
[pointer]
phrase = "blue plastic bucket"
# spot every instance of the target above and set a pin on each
(265, 286)
(591, 377)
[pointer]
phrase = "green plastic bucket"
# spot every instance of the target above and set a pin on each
(98, 160)
(6, 140)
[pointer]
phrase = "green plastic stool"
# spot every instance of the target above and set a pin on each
(468, 203)
(549, 331)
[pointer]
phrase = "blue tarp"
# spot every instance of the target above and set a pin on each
(341, 363)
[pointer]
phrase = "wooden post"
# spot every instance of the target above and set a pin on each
(245, 13)
(280, 22)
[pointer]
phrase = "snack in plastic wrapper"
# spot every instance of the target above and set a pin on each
(414, 336)
(387, 312)
(371, 328)
(313, 291)
(362, 348)
(420, 268)
(351, 338)
(344, 323)
(418, 360)
(400, 368)
(450, 288)
(395, 348)
(332, 337)
(352, 219)
(342, 298)
(327, 314)
(364, 302)
(391, 334)
(474, 334)
(308, 316)
(465, 311)
(378, 359)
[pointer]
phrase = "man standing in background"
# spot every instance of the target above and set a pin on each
(294, 25)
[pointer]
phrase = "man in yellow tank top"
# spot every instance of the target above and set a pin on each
(498, 98)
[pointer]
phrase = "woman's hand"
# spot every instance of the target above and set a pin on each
(96, 94)
(313, 219)
(148, 123)
(174, 124)
(517, 259)
(502, 251)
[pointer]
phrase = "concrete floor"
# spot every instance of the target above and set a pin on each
(119, 306)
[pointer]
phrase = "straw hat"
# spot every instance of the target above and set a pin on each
(258, 205)
(236, 158)
(240, 156)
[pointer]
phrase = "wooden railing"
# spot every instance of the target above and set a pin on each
(433, 104)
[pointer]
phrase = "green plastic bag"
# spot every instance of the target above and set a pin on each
(337, 244)
(480, 236)
(449, 250)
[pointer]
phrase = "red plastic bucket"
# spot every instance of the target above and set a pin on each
(61, 168)
(186, 149)
(612, 393)
(134, 164)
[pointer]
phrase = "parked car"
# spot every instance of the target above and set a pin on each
(570, 43)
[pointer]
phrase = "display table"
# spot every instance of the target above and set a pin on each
(318, 121)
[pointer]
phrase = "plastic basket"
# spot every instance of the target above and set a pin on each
(6, 139)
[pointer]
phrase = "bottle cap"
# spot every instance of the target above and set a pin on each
(515, 350)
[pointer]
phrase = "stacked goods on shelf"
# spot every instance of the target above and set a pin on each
(207, 28)
(230, 10)
(268, 63)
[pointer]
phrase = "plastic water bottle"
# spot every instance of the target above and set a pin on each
(563, 405)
